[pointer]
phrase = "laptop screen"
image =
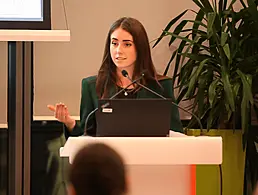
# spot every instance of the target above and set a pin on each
(133, 117)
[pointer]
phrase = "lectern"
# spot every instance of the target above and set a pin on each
(157, 165)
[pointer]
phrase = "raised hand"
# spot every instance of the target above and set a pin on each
(62, 115)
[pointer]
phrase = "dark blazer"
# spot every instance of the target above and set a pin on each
(89, 101)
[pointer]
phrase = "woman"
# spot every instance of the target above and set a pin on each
(127, 48)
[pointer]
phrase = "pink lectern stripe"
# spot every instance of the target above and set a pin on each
(193, 180)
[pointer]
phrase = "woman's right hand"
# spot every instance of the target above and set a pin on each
(62, 115)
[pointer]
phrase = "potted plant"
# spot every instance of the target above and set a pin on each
(215, 64)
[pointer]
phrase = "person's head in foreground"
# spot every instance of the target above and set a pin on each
(97, 169)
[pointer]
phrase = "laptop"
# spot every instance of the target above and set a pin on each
(133, 117)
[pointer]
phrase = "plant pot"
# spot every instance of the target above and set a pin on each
(233, 165)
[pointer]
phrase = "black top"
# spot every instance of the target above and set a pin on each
(89, 102)
(127, 93)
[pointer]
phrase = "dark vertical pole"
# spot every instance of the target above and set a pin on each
(15, 118)
(27, 111)
(20, 101)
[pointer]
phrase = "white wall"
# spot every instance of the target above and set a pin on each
(60, 67)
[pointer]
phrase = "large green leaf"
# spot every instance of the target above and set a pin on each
(194, 77)
(177, 30)
(178, 57)
(212, 91)
(186, 39)
(214, 5)
(244, 113)
(195, 32)
(221, 12)
(211, 20)
(227, 51)
(184, 74)
(246, 99)
(228, 89)
(198, 57)
(199, 5)
(224, 27)
(224, 38)
(199, 17)
(195, 42)
(169, 63)
(225, 5)
(214, 114)
(181, 95)
(220, 6)
(201, 96)
(207, 6)
(222, 57)
(214, 51)
(247, 86)
(236, 87)
(196, 49)
(197, 23)
(170, 24)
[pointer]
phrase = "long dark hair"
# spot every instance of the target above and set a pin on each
(107, 76)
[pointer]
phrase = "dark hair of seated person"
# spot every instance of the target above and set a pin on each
(98, 169)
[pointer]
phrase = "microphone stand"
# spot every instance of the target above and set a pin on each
(125, 74)
(106, 104)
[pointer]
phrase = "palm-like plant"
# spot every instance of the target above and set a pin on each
(216, 60)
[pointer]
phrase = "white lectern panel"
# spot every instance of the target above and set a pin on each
(157, 165)
(155, 150)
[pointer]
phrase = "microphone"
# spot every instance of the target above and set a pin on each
(107, 104)
(125, 74)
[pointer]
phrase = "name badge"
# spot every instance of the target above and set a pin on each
(107, 110)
